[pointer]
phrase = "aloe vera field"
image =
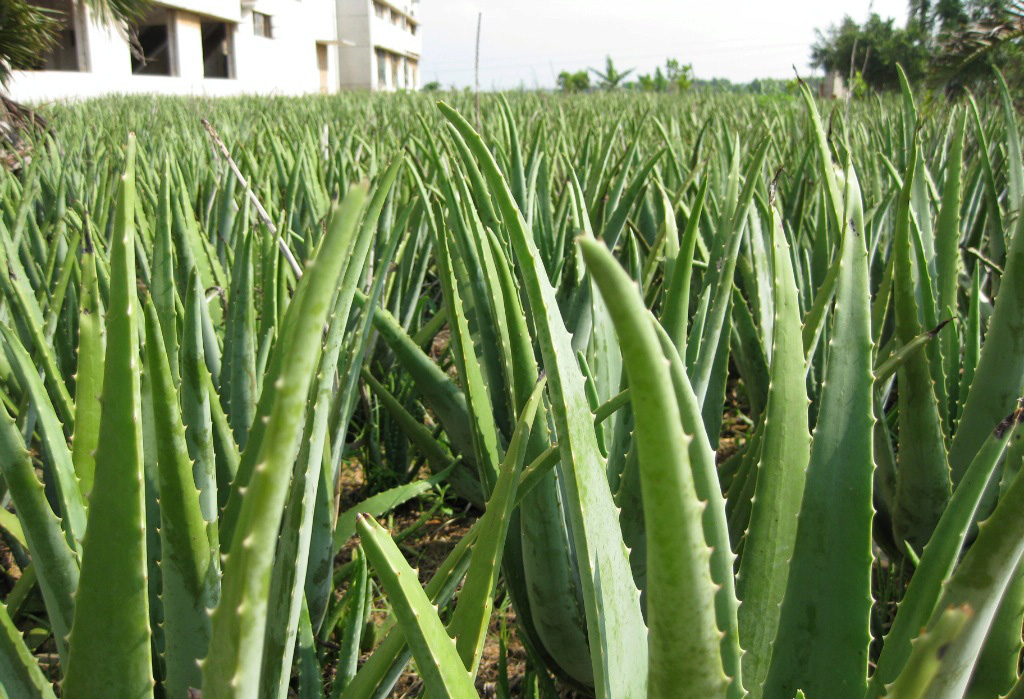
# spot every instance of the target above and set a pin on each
(722, 388)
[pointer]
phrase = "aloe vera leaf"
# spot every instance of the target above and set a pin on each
(60, 287)
(947, 256)
(472, 615)
(922, 486)
(186, 258)
(996, 670)
(741, 491)
(53, 560)
(880, 305)
(51, 437)
(441, 393)
(162, 287)
(833, 192)
(12, 527)
(817, 314)
(206, 263)
(894, 361)
(290, 576)
(979, 581)
(1014, 164)
(189, 563)
(684, 639)
(238, 377)
(89, 373)
(713, 407)
(713, 518)
(612, 405)
(929, 314)
(381, 670)
(995, 673)
(517, 176)
(344, 402)
(612, 230)
(197, 416)
(785, 452)
(20, 675)
(109, 644)
(971, 342)
(550, 577)
(461, 478)
(929, 651)
(355, 621)
(999, 378)
(472, 274)
(310, 672)
(591, 509)
(478, 403)
(996, 227)
(383, 502)
(824, 628)
(481, 196)
(677, 295)
(233, 666)
(696, 334)
(437, 658)
(28, 318)
(351, 273)
(720, 276)
(748, 354)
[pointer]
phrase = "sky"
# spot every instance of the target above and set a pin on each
(526, 43)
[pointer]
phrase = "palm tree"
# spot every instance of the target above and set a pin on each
(921, 10)
(27, 31)
(611, 77)
(968, 51)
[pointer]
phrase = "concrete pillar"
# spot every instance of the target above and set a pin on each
(357, 65)
(106, 47)
(188, 36)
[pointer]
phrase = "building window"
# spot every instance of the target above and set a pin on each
(412, 28)
(262, 25)
(379, 10)
(382, 68)
(151, 45)
(396, 19)
(216, 50)
(396, 71)
(63, 55)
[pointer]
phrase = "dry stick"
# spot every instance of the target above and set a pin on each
(255, 201)
(479, 18)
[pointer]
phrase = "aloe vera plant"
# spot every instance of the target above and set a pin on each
(725, 430)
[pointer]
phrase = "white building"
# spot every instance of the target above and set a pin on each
(229, 47)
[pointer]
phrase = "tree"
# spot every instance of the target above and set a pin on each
(880, 42)
(574, 82)
(27, 32)
(611, 77)
(680, 77)
(990, 36)
(920, 11)
(952, 15)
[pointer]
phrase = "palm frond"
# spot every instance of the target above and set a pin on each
(965, 47)
(26, 32)
(119, 11)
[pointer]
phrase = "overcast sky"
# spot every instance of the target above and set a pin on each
(528, 42)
